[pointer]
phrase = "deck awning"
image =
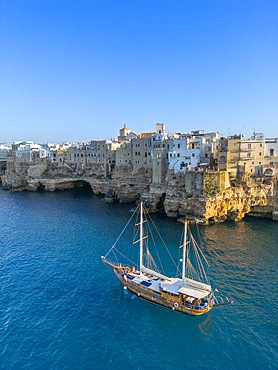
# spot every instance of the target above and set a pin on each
(152, 272)
(171, 285)
(194, 288)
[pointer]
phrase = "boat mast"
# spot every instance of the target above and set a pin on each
(141, 236)
(184, 256)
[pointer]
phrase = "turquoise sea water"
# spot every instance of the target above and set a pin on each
(62, 308)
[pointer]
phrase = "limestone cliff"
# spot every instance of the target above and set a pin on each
(208, 196)
(205, 195)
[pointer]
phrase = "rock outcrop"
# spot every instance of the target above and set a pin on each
(205, 195)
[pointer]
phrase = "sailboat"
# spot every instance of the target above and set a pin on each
(183, 294)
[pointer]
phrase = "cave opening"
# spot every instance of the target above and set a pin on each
(41, 187)
(160, 204)
(82, 186)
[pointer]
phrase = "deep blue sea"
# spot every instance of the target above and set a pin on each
(62, 308)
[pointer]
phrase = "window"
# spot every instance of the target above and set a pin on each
(260, 154)
(179, 145)
(248, 154)
(271, 152)
(249, 146)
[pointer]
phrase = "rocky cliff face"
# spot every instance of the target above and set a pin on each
(205, 195)
(234, 203)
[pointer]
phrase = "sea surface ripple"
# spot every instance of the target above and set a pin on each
(61, 308)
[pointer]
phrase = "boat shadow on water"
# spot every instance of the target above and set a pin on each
(205, 324)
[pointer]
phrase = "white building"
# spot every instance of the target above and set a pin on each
(180, 157)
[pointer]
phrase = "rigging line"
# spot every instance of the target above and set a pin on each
(126, 225)
(199, 234)
(116, 258)
(156, 249)
(125, 256)
(151, 261)
(109, 251)
(135, 234)
(192, 269)
(198, 258)
(201, 268)
(199, 248)
(163, 243)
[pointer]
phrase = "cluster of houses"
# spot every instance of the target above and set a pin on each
(159, 151)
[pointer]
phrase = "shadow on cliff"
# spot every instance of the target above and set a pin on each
(160, 204)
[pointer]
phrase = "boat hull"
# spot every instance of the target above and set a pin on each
(158, 298)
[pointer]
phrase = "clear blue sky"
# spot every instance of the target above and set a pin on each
(75, 70)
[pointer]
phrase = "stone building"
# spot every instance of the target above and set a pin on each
(4, 153)
(27, 152)
(159, 154)
(123, 154)
(141, 153)
(271, 156)
(239, 155)
(98, 148)
(126, 134)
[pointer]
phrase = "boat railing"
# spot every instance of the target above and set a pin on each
(220, 301)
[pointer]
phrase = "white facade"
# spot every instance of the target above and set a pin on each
(180, 157)
(271, 147)
(182, 160)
